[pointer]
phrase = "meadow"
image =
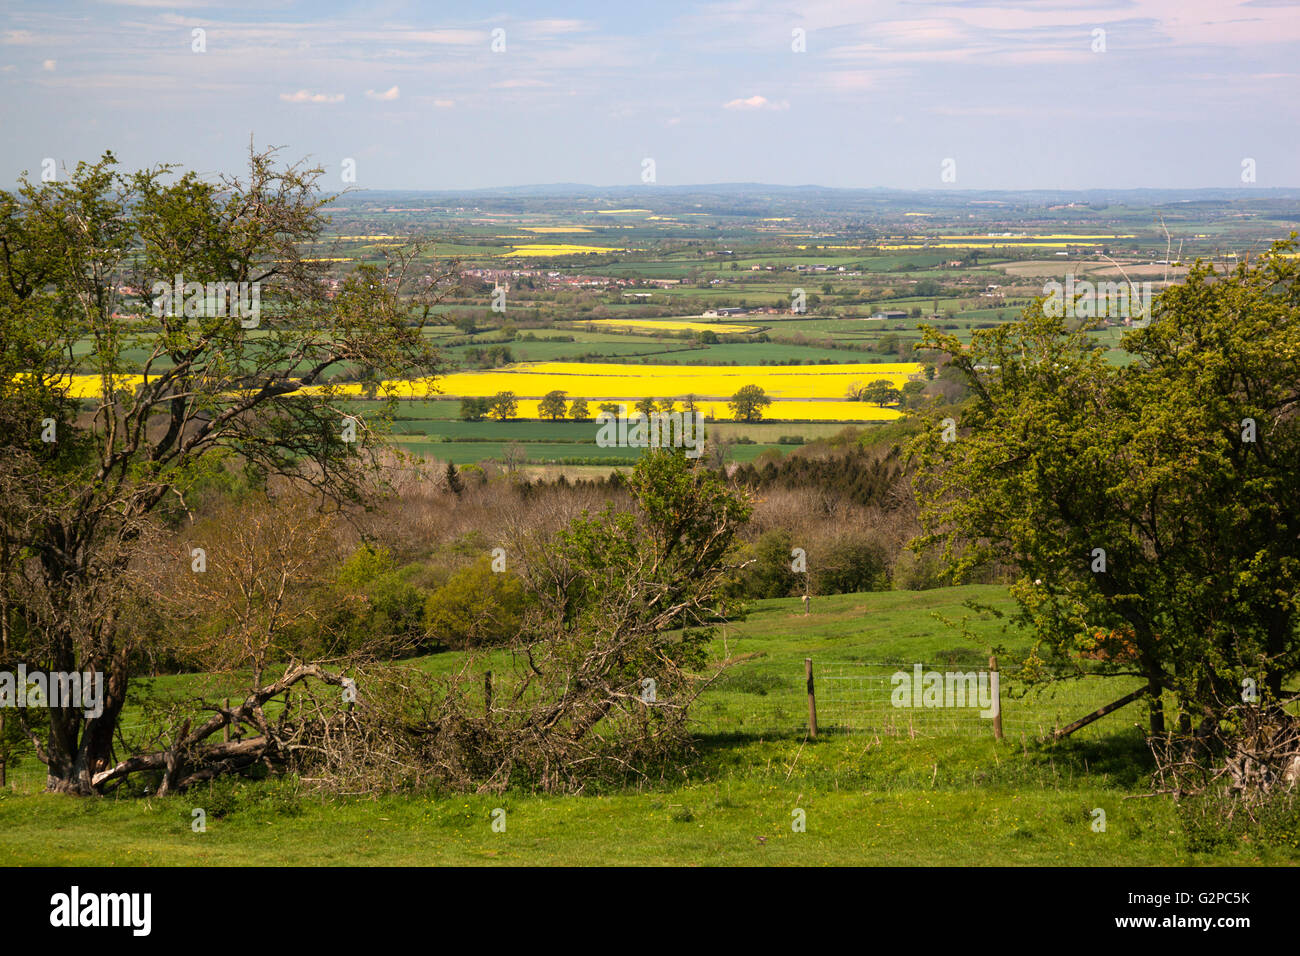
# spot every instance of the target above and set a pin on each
(868, 798)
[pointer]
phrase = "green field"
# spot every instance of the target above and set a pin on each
(869, 798)
(467, 452)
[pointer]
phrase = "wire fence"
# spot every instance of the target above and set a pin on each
(903, 700)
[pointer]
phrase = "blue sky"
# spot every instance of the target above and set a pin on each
(1015, 92)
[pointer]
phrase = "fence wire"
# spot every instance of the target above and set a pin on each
(859, 697)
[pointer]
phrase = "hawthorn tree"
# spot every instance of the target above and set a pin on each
(1150, 507)
(115, 397)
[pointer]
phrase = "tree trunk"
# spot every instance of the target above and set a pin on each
(1155, 699)
(78, 746)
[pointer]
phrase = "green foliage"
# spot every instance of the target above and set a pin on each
(1215, 821)
(218, 799)
(578, 410)
(879, 392)
(748, 403)
(770, 575)
(552, 405)
(474, 409)
(454, 483)
(252, 365)
(644, 582)
(503, 406)
(224, 797)
(1176, 470)
(477, 607)
(918, 572)
(849, 566)
(373, 604)
(861, 475)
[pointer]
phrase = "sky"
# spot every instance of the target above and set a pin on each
(974, 94)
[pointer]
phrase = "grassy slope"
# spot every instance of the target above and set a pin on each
(868, 799)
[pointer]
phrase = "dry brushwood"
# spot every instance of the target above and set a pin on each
(1250, 753)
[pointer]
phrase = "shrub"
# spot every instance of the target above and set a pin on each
(850, 566)
(476, 607)
(913, 572)
(770, 575)
(473, 409)
(373, 602)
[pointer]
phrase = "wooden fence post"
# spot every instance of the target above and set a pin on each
(225, 731)
(997, 701)
(812, 698)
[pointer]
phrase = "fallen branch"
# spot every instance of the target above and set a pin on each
(1099, 713)
(185, 754)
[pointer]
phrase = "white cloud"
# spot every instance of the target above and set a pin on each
(755, 102)
(440, 37)
(18, 36)
(444, 104)
(48, 65)
(389, 94)
(170, 4)
(556, 27)
(306, 96)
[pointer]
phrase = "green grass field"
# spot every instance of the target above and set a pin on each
(867, 798)
(535, 451)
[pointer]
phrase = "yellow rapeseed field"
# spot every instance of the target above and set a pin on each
(554, 249)
(613, 381)
(669, 325)
(807, 392)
